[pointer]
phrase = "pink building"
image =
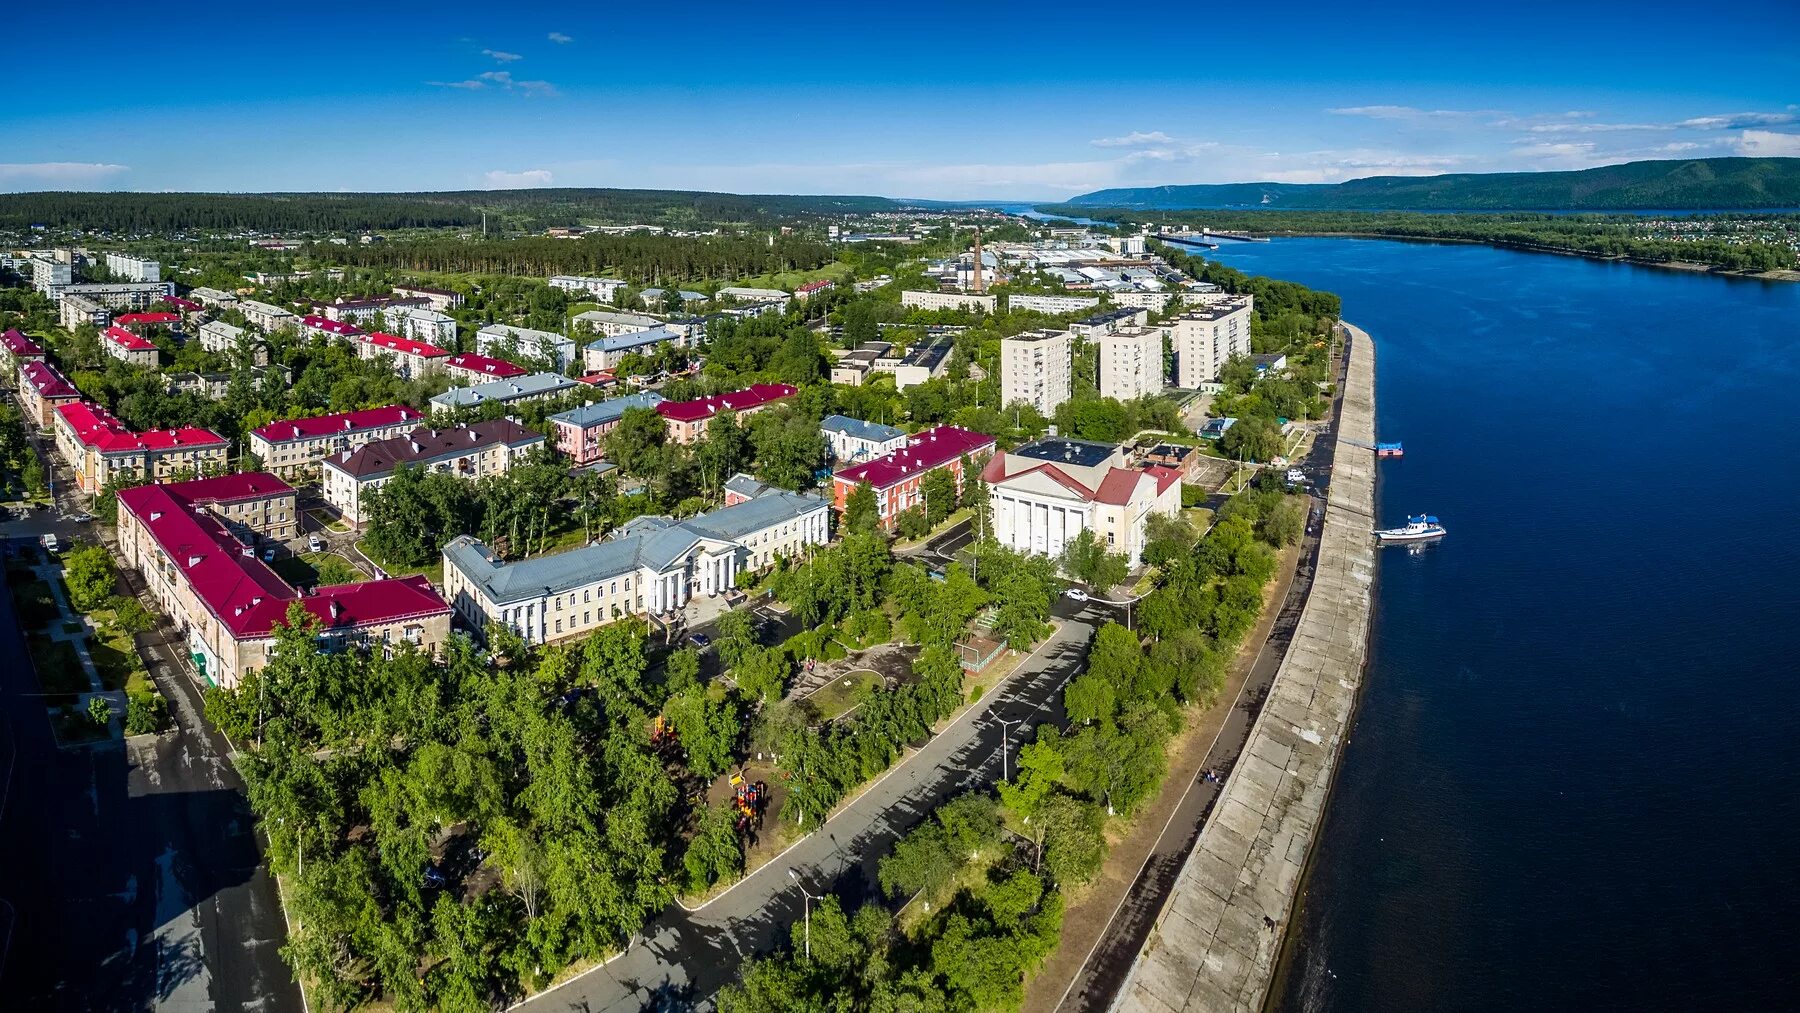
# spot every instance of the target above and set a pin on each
(581, 432)
(687, 419)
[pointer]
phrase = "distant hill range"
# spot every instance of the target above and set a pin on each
(1691, 184)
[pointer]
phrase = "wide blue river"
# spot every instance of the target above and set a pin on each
(1574, 781)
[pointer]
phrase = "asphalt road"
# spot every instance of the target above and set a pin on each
(683, 957)
(130, 871)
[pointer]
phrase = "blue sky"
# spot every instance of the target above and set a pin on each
(954, 101)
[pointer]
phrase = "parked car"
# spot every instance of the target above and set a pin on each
(699, 640)
(314, 544)
(82, 518)
(269, 554)
(49, 543)
(1075, 594)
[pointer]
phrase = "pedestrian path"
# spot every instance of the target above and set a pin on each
(51, 575)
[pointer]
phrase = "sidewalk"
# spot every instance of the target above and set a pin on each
(51, 574)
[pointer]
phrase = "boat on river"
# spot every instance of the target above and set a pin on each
(1419, 528)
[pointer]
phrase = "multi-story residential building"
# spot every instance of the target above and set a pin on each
(221, 337)
(947, 301)
(472, 368)
(371, 312)
(581, 432)
(213, 299)
(412, 358)
(42, 389)
(1045, 493)
(1035, 367)
(75, 310)
(118, 295)
(607, 352)
(614, 322)
(1131, 362)
(215, 386)
(19, 349)
(508, 342)
(133, 268)
(441, 299)
(266, 317)
(923, 361)
(128, 348)
(744, 293)
(293, 448)
(137, 323)
(429, 326)
(226, 602)
(530, 387)
(898, 477)
(652, 298)
(812, 288)
(49, 275)
(687, 420)
(1109, 321)
(315, 326)
(99, 448)
(1052, 303)
(653, 565)
(601, 289)
(1155, 302)
(853, 440)
(469, 452)
(1207, 336)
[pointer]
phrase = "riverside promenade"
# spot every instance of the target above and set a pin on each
(1217, 939)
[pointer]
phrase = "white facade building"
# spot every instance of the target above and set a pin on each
(1155, 302)
(1206, 337)
(267, 317)
(429, 326)
(213, 298)
(133, 268)
(1044, 494)
(947, 301)
(1131, 363)
(504, 341)
(219, 336)
(1052, 303)
(600, 288)
(468, 452)
(1035, 367)
(75, 310)
(47, 275)
(615, 322)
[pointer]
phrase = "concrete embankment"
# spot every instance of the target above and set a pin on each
(1218, 937)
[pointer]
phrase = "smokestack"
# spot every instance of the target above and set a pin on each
(979, 286)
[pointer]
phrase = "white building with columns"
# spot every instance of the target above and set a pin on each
(651, 566)
(1045, 493)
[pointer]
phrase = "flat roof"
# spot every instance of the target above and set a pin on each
(1062, 450)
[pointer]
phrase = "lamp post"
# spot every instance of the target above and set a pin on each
(806, 905)
(1003, 738)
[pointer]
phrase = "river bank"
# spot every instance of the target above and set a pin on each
(1690, 266)
(1217, 939)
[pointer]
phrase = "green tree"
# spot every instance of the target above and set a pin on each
(708, 727)
(100, 710)
(861, 513)
(715, 852)
(939, 487)
(88, 573)
(1086, 559)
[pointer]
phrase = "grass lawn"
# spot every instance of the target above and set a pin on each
(324, 520)
(116, 658)
(37, 606)
(830, 701)
(58, 667)
(794, 279)
(433, 571)
(305, 569)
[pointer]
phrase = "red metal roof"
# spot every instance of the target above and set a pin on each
(133, 319)
(814, 286)
(337, 327)
(230, 488)
(1118, 485)
(96, 427)
(396, 343)
(47, 381)
(924, 451)
(127, 340)
(754, 396)
(482, 365)
(1164, 475)
(18, 344)
(342, 422)
(246, 595)
(184, 305)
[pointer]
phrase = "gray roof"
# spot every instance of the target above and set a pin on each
(1059, 449)
(425, 445)
(652, 542)
(874, 432)
(602, 412)
(519, 388)
(634, 339)
(747, 486)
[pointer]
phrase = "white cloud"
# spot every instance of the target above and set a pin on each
(465, 85)
(1594, 128)
(1135, 139)
(1397, 112)
(501, 56)
(559, 38)
(57, 175)
(1736, 121)
(1767, 144)
(500, 179)
(502, 79)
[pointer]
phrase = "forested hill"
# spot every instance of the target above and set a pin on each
(1703, 183)
(327, 212)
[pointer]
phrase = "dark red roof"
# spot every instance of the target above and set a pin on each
(96, 427)
(127, 340)
(996, 472)
(337, 327)
(924, 451)
(754, 396)
(184, 305)
(342, 422)
(47, 381)
(133, 319)
(396, 343)
(230, 488)
(483, 365)
(814, 286)
(18, 344)
(1118, 485)
(246, 595)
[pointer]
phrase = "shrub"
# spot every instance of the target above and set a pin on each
(146, 713)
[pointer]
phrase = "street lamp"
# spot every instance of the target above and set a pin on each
(1003, 737)
(806, 905)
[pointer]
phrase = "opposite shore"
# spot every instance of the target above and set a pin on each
(1690, 266)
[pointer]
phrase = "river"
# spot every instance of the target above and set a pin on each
(1574, 781)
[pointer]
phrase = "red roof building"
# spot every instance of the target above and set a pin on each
(687, 419)
(228, 602)
(413, 358)
(19, 348)
(41, 389)
(812, 288)
(294, 447)
(100, 449)
(128, 348)
(328, 328)
(146, 319)
(183, 305)
(898, 477)
(1044, 494)
(479, 368)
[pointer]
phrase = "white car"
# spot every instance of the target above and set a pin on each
(48, 542)
(1076, 594)
(313, 544)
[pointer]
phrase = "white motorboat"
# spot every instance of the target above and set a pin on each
(1416, 529)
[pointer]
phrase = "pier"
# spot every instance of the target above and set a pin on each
(1218, 937)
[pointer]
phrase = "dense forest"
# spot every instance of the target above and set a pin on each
(1701, 183)
(532, 210)
(640, 258)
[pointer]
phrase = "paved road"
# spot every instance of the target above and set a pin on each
(131, 871)
(684, 957)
